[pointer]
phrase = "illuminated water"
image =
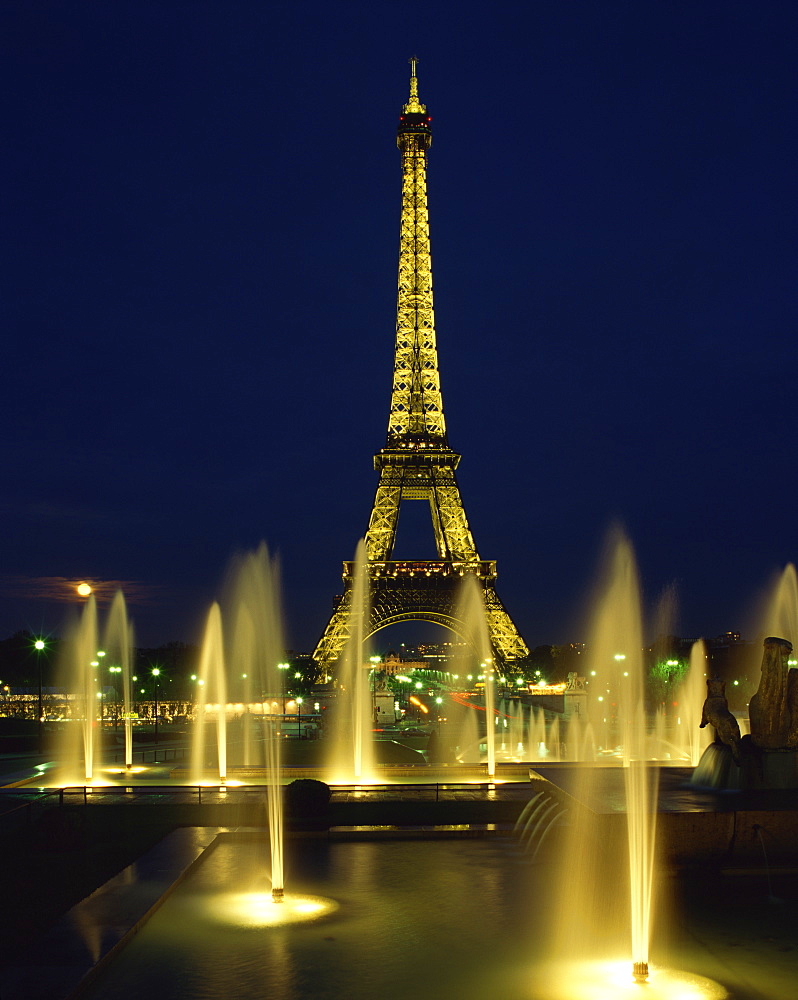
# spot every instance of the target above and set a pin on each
(780, 617)
(81, 677)
(350, 754)
(457, 918)
(118, 647)
(692, 739)
(472, 612)
(616, 655)
(211, 699)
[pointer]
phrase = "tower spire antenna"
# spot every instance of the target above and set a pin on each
(414, 106)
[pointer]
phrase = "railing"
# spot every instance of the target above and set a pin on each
(87, 794)
(156, 755)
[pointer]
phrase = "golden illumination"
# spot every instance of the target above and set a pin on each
(84, 589)
(417, 462)
(259, 909)
(612, 980)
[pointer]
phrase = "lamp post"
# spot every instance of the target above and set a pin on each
(375, 662)
(299, 716)
(282, 667)
(156, 673)
(96, 663)
(39, 647)
(115, 670)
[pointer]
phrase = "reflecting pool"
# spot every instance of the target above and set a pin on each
(445, 918)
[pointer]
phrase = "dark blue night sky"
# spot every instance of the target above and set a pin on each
(200, 233)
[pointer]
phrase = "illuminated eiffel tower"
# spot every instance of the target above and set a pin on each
(417, 462)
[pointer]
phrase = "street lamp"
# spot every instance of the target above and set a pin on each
(283, 667)
(156, 673)
(115, 670)
(101, 695)
(299, 716)
(39, 647)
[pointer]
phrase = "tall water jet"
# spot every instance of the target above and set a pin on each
(615, 650)
(619, 644)
(79, 678)
(690, 697)
(352, 749)
(211, 677)
(118, 644)
(243, 655)
(468, 737)
(781, 613)
(257, 647)
(472, 612)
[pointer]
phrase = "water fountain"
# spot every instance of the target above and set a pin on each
(351, 751)
(118, 645)
(212, 681)
(693, 739)
(585, 877)
(252, 653)
(616, 654)
(472, 612)
(79, 677)
(257, 648)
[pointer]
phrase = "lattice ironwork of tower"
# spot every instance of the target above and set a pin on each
(417, 462)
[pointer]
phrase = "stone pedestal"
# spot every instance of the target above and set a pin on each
(758, 768)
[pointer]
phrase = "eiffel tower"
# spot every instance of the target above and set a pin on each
(417, 462)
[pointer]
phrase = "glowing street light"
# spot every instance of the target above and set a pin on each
(39, 646)
(115, 670)
(156, 673)
(299, 701)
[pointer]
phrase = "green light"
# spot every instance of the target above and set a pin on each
(156, 672)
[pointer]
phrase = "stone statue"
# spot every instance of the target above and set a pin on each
(774, 707)
(716, 713)
(768, 757)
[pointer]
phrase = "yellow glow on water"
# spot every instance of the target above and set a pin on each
(259, 909)
(82, 782)
(612, 980)
(124, 770)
